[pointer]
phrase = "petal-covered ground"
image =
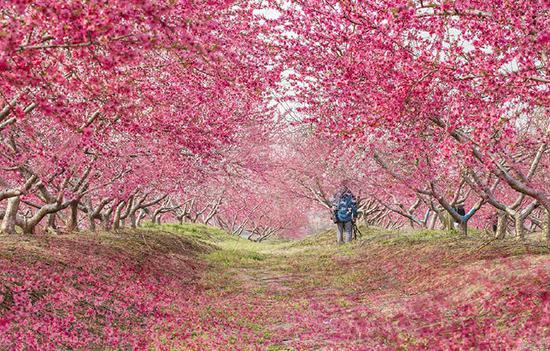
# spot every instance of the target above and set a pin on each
(195, 288)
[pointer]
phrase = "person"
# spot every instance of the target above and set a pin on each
(344, 213)
(461, 211)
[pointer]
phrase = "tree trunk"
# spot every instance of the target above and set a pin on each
(91, 220)
(51, 222)
(446, 221)
(546, 228)
(106, 222)
(133, 219)
(10, 217)
(49, 209)
(502, 223)
(520, 230)
(140, 217)
(29, 229)
(156, 215)
(73, 222)
(118, 214)
(433, 221)
(463, 228)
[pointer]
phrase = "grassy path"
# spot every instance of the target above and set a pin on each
(195, 288)
(425, 291)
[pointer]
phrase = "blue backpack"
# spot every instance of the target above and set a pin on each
(346, 208)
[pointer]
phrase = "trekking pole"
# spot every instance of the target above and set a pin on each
(356, 231)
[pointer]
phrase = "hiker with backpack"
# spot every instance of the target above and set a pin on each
(344, 213)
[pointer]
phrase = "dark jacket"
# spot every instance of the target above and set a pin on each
(344, 206)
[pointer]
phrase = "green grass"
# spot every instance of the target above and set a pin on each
(194, 230)
(232, 258)
(318, 258)
(420, 236)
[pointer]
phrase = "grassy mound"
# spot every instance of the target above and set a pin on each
(99, 291)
